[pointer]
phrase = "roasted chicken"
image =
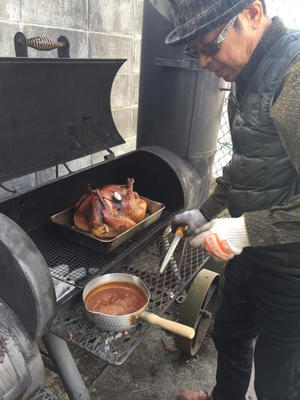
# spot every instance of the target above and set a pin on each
(109, 211)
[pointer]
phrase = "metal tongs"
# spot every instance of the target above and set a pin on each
(178, 235)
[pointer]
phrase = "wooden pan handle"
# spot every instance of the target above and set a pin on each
(175, 327)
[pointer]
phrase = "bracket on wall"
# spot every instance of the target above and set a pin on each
(41, 43)
(110, 155)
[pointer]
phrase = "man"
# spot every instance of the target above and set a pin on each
(236, 40)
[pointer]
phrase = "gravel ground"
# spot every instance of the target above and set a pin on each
(155, 371)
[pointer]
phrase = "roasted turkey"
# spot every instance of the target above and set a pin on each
(109, 211)
(126, 200)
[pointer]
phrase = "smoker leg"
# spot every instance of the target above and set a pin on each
(60, 354)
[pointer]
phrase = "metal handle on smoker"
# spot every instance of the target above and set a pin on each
(41, 43)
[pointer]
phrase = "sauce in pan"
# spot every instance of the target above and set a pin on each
(116, 298)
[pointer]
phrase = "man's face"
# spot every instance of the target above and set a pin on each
(234, 53)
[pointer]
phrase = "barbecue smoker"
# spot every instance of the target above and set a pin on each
(53, 111)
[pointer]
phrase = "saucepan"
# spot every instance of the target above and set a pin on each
(107, 290)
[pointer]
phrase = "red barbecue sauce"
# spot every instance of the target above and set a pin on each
(116, 298)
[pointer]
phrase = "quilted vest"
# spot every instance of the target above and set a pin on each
(261, 174)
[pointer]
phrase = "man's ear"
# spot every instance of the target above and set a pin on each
(254, 13)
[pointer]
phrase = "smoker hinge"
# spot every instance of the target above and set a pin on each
(67, 168)
(9, 190)
(109, 156)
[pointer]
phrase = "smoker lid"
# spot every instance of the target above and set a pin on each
(53, 111)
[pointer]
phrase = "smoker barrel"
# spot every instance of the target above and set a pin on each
(180, 103)
(159, 175)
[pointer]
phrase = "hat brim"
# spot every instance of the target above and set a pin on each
(176, 39)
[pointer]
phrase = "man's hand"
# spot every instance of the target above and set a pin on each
(222, 238)
(193, 218)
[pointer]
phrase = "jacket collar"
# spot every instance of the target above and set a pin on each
(271, 36)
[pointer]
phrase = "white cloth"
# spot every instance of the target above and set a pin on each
(222, 238)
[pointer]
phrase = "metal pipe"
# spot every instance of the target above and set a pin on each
(68, 372)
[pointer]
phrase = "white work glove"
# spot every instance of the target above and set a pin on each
(193, 218)
(222, 238)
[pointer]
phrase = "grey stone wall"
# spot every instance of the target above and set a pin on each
(95, 29)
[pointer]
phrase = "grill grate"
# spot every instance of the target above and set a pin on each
(59, 253)
(115, 348)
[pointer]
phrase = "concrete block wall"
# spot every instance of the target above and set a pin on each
(95, 29)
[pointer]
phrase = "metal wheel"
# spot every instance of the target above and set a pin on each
(197, 310)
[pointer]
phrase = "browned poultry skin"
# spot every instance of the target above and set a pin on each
(115, 222)
(131, 204)
(109, 190)
(82, 211)
(96, 215)
(93, 214)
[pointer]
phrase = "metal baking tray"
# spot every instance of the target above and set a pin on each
(64, 221)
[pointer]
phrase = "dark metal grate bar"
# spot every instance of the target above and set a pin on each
(115, 348)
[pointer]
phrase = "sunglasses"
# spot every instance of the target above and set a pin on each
(211, 49)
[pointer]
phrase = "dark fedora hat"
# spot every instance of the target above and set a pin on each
(196, 18)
